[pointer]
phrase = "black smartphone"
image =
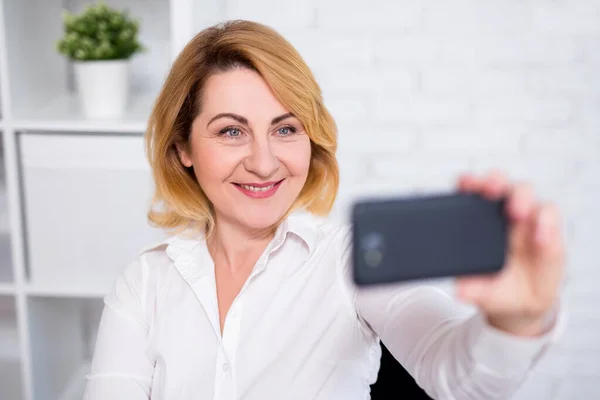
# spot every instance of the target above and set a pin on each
(427, 236)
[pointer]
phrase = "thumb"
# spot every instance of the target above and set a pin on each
(472, 289)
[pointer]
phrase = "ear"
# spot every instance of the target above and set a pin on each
(184, 155)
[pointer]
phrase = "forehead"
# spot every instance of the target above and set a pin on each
(241, 91)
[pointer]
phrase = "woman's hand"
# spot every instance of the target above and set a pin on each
(518, 298)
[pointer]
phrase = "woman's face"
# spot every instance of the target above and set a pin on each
(250, 155)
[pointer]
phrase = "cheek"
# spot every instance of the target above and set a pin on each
(212, 164)
(296, 157)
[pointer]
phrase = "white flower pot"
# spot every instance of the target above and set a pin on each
(103, 87)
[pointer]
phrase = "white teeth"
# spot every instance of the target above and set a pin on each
(257, 189)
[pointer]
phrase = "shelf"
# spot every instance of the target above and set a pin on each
(4, 226)
(78, 189)
(7, 289)
(10, 365)
(101, 189)
(6, 273)
(10, 379)
(68, 291)
(63, 114)
(41, 90)
(62, 335)
(76, 385)
(9, 343)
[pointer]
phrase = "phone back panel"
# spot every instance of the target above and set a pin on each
(427, 237)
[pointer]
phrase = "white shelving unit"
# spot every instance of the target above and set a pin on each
(10, 360)
(73, 191)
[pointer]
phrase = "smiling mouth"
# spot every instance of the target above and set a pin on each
(259, 187)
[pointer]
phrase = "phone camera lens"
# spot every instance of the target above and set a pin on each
(373, 249)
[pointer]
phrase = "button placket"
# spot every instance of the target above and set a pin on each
(225, 377)
(231, 330)
(220, 376)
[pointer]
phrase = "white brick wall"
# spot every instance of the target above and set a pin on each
(422, 90)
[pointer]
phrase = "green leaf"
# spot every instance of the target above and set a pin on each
(99, 32)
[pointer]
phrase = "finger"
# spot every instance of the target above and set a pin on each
(547, 227)
(521, 202)
(473, 289)
(495, 185)
(549, 252)
(521, 233)
(469, 183)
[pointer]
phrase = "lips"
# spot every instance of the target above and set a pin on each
(259, 190)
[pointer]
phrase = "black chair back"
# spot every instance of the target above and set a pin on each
(394, 382)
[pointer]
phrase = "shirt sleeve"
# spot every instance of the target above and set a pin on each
(120, 368)
(451, 351)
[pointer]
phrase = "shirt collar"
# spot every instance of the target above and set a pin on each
(304, 225)
(300, 223)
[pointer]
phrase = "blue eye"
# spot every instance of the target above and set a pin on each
(231, 132)
(286, 130)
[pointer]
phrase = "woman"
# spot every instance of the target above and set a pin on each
(251, 297)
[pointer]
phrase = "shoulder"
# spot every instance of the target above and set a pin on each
(333, 243)
(325, 229)
(152, 259)
(166, 252)
(335, 236)
(144, 275)
(321, 234)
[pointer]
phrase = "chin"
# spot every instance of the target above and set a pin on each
(261, 219)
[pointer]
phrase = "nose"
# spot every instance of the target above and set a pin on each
(262, 161)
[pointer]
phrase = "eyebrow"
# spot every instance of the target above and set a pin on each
(244, 120)
(281, 118)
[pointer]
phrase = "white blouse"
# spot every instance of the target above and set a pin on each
(299, 329)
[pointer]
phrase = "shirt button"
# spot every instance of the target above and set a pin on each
(225, 367)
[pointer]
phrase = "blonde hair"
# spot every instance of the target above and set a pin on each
(179, 202)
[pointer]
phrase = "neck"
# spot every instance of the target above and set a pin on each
(237, 248)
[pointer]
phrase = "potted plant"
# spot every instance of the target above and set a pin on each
(101, 41)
